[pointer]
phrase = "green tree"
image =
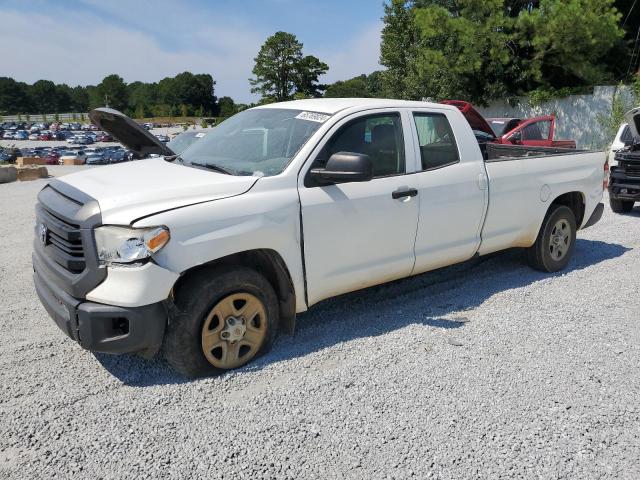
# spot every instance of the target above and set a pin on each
(226, 107)
(140, 111)
(362, 86)
(352, 88)
(480, 50)
(281, 71)
(467, 55)
(308, 70)
(400, 50)
(141, 97)
(112, 91)
(569, 41)
(14, 96)
(79, 99)
(43, 95)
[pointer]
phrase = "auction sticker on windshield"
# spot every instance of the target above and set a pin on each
(313, 117)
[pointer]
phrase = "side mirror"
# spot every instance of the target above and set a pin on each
(516, 137)
(344, 167)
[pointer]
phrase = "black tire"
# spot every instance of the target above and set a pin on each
(620, 206)
(195, 299)
(541, 255)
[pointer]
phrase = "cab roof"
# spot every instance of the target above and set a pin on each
(334, 105)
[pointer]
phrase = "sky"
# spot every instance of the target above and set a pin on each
(79, 42)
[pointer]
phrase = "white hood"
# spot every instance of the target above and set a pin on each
(129, 191)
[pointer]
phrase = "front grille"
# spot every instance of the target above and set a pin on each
(631, 169)
(64, 247)
(63, 242)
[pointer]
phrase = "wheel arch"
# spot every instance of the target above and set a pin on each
(268, 263)
(575, 201)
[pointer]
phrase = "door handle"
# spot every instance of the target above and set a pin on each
(411, 192)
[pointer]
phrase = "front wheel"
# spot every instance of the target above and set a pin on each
(223, 318)
(620, 206)
(556, 240)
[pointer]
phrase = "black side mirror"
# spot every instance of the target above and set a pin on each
(516, 137)
(344, 167)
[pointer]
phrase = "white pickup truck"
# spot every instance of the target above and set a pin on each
(210, 253)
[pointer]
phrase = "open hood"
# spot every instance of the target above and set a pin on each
(633, 119)
(129, 133)
(475, 119)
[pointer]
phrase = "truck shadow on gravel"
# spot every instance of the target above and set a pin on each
(437, 299)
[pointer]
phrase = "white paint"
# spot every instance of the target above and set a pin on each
(355, 234)
(134, 286)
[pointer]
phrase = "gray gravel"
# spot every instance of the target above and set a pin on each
(482, 370)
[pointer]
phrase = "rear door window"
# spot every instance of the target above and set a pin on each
(437, 144)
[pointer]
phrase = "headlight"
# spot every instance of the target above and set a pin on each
(129, 245)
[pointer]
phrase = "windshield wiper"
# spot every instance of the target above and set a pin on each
(171, 158)
(212, 166)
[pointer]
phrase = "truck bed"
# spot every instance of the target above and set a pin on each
(496, 152)
(522, 183)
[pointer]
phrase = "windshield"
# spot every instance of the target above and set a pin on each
(180, 143)
(258, 142)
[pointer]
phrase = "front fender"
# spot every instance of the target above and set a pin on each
(206, 232)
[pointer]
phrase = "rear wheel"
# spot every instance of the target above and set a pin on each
(620, 206)
(556, 240)
(223, 318)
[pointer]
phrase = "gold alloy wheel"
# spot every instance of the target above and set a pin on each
(234, 330)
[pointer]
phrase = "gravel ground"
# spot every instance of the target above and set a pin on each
(483, 370)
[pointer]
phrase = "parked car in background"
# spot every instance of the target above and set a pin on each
(34, 136)
(60, 135)
(533, 132)
(118, 156)
(8, 135)
(21, 135)
(183, 140)
(624, 175)
(80, 140)
(104, 137)
(162, 138)
(45, 136)
(72, 155)
(622, 139)
(5, 157)
(95, 158)
(52, 158)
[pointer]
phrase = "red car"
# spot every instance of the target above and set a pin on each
(104, 138)
(44, 136)
(51, 158)
(533, 132)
